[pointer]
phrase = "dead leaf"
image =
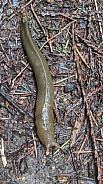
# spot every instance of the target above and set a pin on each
(76, 130)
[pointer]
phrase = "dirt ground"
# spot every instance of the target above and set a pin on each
(70, 35)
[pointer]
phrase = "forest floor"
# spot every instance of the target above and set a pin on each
(70, 36)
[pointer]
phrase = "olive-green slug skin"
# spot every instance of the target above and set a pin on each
(45, 93)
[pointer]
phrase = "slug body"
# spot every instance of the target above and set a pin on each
(45, 93)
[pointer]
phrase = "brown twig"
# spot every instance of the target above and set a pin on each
(96, 154)
(57, 34)
(89, 44)
(66, 16)
(37, 19)
(17, 12)
(13, 81)
(100, 24)
(11, 102)
(88, 96)
(88, 110)
(82, 58)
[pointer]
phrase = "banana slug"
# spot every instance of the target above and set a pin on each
(45, 93)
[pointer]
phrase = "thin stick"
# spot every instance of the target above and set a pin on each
(13, 81)
(57, 34)
(12, 103)
(84, 61)
(100, 25)
(17, 13)
(38, 21)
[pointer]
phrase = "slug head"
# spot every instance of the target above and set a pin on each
(45, 125)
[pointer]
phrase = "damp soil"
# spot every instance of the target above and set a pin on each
(70, 36)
